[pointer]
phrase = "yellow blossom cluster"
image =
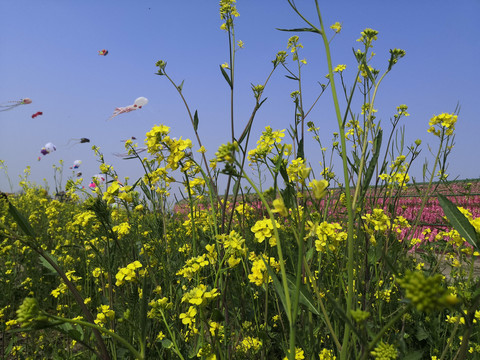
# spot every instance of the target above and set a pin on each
(263, 229)
(128, 273)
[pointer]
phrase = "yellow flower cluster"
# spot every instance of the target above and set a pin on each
(249, 344)
(259, 275)
(104, 314)
(128, 274)
(443, 123)
(199, 295)
(266, 143)
(158, 140)
(263, 229)
(117, 190)
(234, 246)
(329, 235)
(228, 11)
(298, 171)
(375, 223)
(299, 354)
(192, 266)
(398, 175)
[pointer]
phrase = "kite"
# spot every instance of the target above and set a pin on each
(36, 114)
(76, 164)
(132, 138)
(131, 153)
(103, 52)
(79, 174)
(97, 179)
(78, 141)
(47, 149)
(139, 102)
(9, 105)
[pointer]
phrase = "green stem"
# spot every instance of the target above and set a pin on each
(103, 330)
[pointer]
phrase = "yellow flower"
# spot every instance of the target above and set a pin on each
(279, 207)
(336, 27)
(319, 188)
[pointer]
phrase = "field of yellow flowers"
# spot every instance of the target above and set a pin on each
(366, 264)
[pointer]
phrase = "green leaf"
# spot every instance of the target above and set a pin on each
(167, 344)
(305, 297)
(195, 120)
(300, 151)
(180, 87)
(377, 143)
(278, 288)
(459, 221)
(225, 75)
(21, 220)
(421, 334)
(369, 73)
(301, 30)
(292, 77)
(47, 265)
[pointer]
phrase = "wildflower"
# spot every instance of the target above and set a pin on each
(199, 296)
(337, 27)
(128, 273)
(319, 188)
(443, 123)
(225, 66)
(188, 317)
(280, 58)
(326, 354)
(426, 294)
(339, 68)
(359, 315)
(329, 236)
(299, 354)
(263, 229)
(298, 171)
(122, 229)
(294, 45)
(28, 311)
(104, 314)
(250, 344)
(368, 35)
(228, 11)
(259, 275)
(384, 351)
(279, 207)
(193, 265)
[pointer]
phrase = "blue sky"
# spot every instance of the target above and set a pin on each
(49, 54)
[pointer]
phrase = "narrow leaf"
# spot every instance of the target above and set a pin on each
(301, 30)
(459, 221)
(21, 220)
(305, 298)
(180, 87)
(377, 143)
(225, 75)
(278, 288)
(195, 120)
(292, 77)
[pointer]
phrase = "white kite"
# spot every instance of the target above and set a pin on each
(9, 105)
(139, 102)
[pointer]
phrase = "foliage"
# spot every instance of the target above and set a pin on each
(317, 266)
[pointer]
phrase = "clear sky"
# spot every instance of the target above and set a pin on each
(49, 53)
